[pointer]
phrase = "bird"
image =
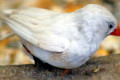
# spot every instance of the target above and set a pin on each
(63, 40)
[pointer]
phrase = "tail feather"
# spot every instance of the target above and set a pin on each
(4, 13)
(2, 17)
(16, 26)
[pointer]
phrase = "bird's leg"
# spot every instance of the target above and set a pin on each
(45, 65)
(39, 62)
(42, 64)
(36, 60)
(65, 71)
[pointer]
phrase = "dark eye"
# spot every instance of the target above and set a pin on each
(110, 26)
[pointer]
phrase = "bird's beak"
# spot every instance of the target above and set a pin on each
(116, 32)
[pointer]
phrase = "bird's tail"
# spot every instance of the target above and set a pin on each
(15, 25)
(2, 18)
(2, 15)
(5, 13)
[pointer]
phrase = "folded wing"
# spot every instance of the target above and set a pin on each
(26, 24)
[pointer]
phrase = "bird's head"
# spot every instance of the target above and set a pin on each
(98, 20)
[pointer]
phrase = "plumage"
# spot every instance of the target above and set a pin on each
(64, 40)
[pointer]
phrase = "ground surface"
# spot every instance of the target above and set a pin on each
(103, 68)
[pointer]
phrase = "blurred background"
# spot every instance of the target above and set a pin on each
(11, 51)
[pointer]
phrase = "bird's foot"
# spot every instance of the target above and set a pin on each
(65, 71)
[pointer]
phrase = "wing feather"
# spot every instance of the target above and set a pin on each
(27, 23)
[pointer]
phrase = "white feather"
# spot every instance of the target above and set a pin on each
(76, 36)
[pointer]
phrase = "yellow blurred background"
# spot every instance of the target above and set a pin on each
(11, 51)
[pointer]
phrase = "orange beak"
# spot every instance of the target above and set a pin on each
(116, 32)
